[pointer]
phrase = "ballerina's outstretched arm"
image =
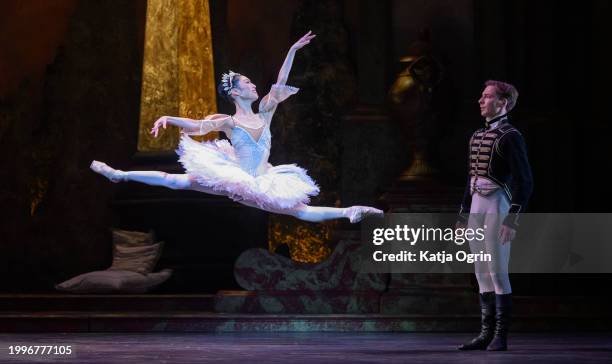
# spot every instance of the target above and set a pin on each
(283, 74)
(214, 122)
(156, 178)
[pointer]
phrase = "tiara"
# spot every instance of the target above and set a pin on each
(226, 81)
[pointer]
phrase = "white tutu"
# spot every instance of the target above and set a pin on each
(214, 164)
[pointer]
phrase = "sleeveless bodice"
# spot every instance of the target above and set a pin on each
(252, 154)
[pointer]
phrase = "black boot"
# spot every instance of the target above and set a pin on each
(487, 321)
(503, 306)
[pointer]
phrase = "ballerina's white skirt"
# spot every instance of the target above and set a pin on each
(214, 165)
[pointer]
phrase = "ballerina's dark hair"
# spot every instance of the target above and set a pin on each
(223, 93)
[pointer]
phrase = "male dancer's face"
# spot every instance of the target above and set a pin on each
(490, 104)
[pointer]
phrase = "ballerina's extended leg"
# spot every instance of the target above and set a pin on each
(322, 213)
(183, 181)
(153, 178)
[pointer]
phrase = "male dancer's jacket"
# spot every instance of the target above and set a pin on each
(499, 154)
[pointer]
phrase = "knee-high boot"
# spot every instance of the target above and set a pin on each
(487, 322)
(503, 307)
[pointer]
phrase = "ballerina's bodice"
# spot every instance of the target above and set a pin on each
(250, 145)
(252, 154)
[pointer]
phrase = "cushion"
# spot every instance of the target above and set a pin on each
(140, 259)
(132, 238)
(114, 281)
(135, 251)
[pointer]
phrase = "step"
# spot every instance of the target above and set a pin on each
(185, 321)
(106, 302)
(390, 303)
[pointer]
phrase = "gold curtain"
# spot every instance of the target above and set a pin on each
(177, 73)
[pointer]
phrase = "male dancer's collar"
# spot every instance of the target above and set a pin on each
(496, 121)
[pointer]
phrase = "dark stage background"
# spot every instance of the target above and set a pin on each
(70, 76)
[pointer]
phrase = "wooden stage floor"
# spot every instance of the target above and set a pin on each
(312, 347)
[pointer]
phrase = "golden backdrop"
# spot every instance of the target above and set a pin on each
(177, 73)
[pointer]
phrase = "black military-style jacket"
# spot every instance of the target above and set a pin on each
(500, 155)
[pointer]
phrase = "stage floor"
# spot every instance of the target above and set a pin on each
(309, 347)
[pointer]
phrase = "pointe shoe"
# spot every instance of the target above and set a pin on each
(358, 213)
(114, 175)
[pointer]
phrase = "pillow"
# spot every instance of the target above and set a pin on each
(132, 238)
(140, 259)
(114, 281)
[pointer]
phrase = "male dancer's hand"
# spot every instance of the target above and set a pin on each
(506, 234)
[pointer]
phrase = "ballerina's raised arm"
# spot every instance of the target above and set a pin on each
(283, 74)
(280, 91)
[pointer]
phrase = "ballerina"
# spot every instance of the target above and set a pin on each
(241, 170)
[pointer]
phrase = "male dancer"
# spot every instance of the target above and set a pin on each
(499, 185)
